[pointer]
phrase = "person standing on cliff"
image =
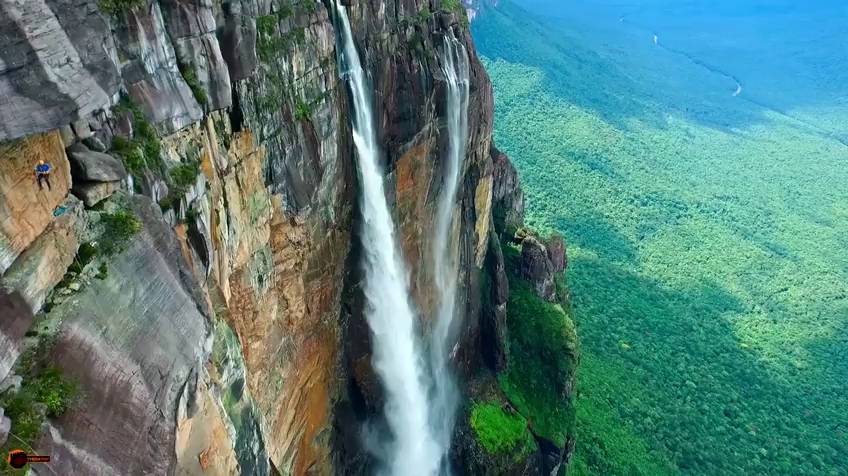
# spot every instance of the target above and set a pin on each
(42, 172)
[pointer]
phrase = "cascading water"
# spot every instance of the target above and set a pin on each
(445, 396)
(397, 361)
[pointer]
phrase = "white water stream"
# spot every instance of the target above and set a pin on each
(412, 449)
(445, 396)
(421, 400)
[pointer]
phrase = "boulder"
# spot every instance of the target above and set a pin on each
(38, 269)
(17, 319)
(537, 268)
(92, 193)
(81, 129)
(90, 166)
(95, 143)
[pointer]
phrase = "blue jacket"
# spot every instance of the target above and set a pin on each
(42, 168)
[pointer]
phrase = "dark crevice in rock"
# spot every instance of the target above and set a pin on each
(236, 113)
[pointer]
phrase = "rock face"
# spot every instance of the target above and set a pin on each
(135, 345)
(555, 246)
(26, 209)
(38, 269)
(52, 72)
(17, 318)
(537, 268)
(507, 197)
(227, 335)
(493, 318)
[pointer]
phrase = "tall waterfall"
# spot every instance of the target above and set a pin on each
(397, 359)
(445, 396)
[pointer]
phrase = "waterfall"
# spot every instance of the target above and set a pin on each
(412, 450)
(445, 396)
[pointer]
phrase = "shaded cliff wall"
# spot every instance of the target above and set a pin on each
(224, 334)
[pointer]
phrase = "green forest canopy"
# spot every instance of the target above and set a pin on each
(708, 250)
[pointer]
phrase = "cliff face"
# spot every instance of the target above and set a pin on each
(194, 264)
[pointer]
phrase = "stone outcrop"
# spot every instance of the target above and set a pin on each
(56, 65)
(507, 197)
(537, 268)
(5, 426)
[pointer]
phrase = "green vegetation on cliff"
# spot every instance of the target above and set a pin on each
(189, 74)
(142, 151)
(117, 7)
(501, 432)
(118, 228)
(706, 249)
(542, 350)
(45, 392)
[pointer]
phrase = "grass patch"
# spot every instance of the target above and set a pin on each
(456, 7)
(102, 271)
(268, 40)
(85, 255)
(542, 349)
(501, 432)
(184, 176)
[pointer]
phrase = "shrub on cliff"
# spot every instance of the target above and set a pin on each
(117, 7)
(189, 74)
(118, 229)
(44, 392)
(143, 150)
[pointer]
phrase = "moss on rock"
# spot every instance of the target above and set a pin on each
(501, 432)
(542, 357)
